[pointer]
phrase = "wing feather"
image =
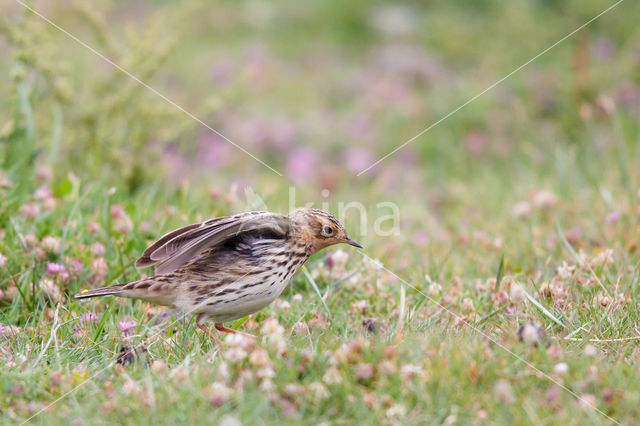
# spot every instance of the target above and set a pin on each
(179, 247)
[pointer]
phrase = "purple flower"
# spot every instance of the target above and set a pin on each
(88, 318)
(126, 327)
(56, 268)
(614, 216)
(421, 238)
(301, 164)
(9, 330)
(76, 266)
(358, 159)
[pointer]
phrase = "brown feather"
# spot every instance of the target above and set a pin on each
(179, 247)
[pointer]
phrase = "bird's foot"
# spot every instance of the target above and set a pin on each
(209, 333)
(220, 327)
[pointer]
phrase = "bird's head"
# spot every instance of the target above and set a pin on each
(320, 228)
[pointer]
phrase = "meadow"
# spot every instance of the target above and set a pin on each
(499, 280)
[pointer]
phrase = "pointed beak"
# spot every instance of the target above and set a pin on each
(351, 242)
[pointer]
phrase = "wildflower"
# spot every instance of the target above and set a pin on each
(57, 378)
(531, 334)
(76, 266)
(180, 375)
(587, 402)
(565, 271)
(126, 327)
(270, 326)
(318, 390)
(500, 297)
(554, 352)
(396, 410)
(409, 371)
(421, 238)
(88, 318)
(97, 249)
(50, 244)
(266, 385)
(504, 392)
(217, 393)
(99, 266)
(544, 199)
(30, 210)
(49, 288)
(93, 228)
(116, 211)
(517, 293)
(158, 366)
(265, 373)
(338, 259)
(434, 289)
(552, 395)
(297, 298)
(281, 304)
(235, 353)
(590, 350)
(607, 104)
(612, 217)
(603, 258)
(55, 268)
(359, 306)
(364, 371)
(228, 420)
(293, 390)
(49, 204)
(30, 240)
(387, 367)
(561, 369)
(123, 225)
(603, 300)
(44, 173)
(301, 163)
(467, 305)
(42, 193)
(332, 376)
(9, 330)
(259, 357)
(3, 261)
(131, 388)
(301, 327)
(145, 227)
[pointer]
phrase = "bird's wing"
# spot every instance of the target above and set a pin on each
(180, 246)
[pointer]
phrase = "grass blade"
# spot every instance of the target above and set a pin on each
(500, 273)
(544, 310)
(305, 271)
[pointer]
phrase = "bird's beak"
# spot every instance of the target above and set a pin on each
(351, 242)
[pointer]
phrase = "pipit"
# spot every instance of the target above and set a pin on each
(229, 267)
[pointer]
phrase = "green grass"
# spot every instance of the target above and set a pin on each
(125, 167)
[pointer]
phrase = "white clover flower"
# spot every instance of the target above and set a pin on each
(561, 368)
(517, 293)
(521, 210)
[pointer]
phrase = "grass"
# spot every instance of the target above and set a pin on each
(520, 209)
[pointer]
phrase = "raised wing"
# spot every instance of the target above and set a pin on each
(180, 246)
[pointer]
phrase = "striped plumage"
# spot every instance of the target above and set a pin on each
(229, 267)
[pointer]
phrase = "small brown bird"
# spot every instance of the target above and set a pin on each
(229, 267)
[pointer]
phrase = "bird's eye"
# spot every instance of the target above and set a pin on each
(327, 230)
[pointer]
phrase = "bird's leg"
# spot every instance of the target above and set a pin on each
(220, 327)
(200, 320)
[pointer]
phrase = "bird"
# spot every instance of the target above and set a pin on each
(229, 267)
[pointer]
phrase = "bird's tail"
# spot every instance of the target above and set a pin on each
(104, 291)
